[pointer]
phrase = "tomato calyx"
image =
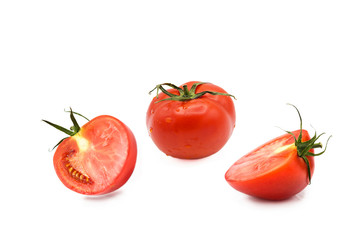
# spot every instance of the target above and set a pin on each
(73, 129)
(303, 148)
(184, 93)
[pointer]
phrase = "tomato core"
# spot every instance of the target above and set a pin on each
(82, 142)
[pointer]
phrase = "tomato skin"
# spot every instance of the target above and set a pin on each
(285, 178)
(191, 129)
(110, 156)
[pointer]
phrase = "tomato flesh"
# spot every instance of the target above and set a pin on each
(272, 171)
(191, 129)
(99, 159)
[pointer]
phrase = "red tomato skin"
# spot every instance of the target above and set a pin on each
(69, 148)
(282, 182)
(191, 129)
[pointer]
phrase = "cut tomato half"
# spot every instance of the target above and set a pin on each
(99, 158)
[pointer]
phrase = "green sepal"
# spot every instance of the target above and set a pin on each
(64, 130)
(59, 143)
(195, 85)
(303, 148)
(77, 114)
(160, 87)
(73, 129)
(76, 127)
(318, 154)
(307, 167)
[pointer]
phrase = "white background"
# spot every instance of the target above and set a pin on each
(102, 57)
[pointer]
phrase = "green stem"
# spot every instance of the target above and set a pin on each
(317, 145)
(186, 91)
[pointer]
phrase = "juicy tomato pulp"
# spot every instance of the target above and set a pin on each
(99, 159)
(272, 171)
(191, 129)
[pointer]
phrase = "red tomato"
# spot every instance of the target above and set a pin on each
(98, 159)
(192, 128)
(272, 171)
(277, 169)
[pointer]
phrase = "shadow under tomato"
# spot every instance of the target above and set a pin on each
(188, 159)
(296, 198)
(104, 197)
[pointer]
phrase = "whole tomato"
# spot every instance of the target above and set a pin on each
(191, 122)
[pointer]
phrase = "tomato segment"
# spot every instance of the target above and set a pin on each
(279, 168)
(272, 171)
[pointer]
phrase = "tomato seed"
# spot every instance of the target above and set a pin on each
(77, 175)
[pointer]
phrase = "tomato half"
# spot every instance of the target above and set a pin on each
(99, 158)
(272, 171)
(194, 128)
